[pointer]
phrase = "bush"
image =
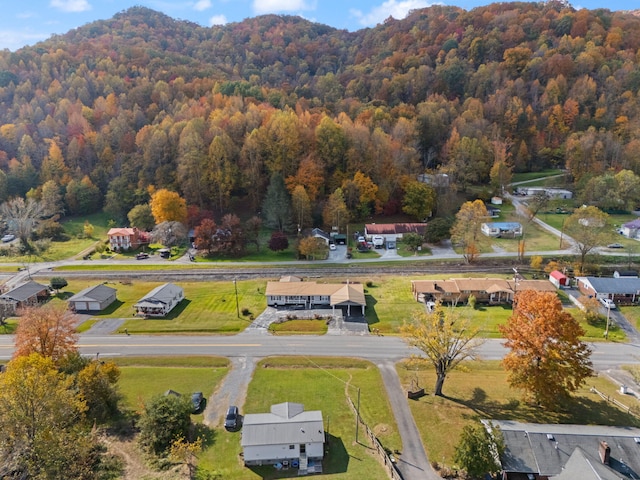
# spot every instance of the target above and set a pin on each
(165, 419)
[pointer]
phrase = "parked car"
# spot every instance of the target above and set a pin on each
(231, 420)
(608, 303)
(615, 245)
(332, 246)
(391, 245)
(141, 256)
(197, 400)
(8, 237)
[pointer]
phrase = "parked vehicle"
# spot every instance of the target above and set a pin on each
(142, 256)
(608, 303)
(391, 245)
(378, 241)
(332, 246)
(615, 245)
(231, 420)
(197, 400)
(8, 238)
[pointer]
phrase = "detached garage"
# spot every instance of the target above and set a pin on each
(93, 299)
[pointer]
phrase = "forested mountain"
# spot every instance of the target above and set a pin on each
(103, 112)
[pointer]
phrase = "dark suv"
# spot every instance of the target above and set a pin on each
(231, 421)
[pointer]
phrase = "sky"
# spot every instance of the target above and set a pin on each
(28, 22)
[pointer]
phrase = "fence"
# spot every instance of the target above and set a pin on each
(388, 463)
(631, 410)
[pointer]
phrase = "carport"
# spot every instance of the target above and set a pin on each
(349, 296)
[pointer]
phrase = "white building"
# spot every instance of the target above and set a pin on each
(502, 229)
(287, 435)
(159, 301)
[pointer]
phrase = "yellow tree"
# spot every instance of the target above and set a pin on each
(301, 205)
(48, 330)
(168, 206)
(335, 212)
(40, 434)
(312, 248)
(445, 339)
(466, 228)
(547, 359)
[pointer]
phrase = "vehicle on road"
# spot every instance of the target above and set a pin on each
(142, 256)
(608, 303)
(8, 238)
(231, 420)
(197, 401)
(615, 245)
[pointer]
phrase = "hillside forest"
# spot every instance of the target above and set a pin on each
(107, 114)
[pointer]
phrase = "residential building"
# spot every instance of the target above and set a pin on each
(159, 301)
(123, 239)
(393, 231)
(485, 290)
(568, 452)
(288, 435)
(315, 295)
(502, 229)
(92, 299)
(552, 193)
(622, 290)
(28, 294)
(631, 229)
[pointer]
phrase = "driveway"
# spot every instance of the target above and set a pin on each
(412, 461)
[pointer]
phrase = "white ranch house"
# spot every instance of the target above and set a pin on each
(159, 301)
(499, 229)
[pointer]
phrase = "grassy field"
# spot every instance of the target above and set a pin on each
(528, 176)
(143, 378)
(208, 306)
(482, 392)
(289, 379)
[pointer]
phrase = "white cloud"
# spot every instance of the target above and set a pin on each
(17, 39)
(201, 5)
(273, 6)
(71, 5)
(397, 9)
(218, 20)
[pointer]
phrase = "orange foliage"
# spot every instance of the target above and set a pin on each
(48, 330)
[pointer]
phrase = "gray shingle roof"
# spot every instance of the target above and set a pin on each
(162, 294)
(24, 292)
(97, 293)
(545, 449)
(621, 286)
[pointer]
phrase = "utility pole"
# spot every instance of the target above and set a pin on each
(235, 286)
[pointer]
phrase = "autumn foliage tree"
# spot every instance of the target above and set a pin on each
(48, 330)
(547, 359)
(466, 228)
(444, 337)
(168, 206)
(278, 242)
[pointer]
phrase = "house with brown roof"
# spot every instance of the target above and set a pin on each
(309, 295)
(485, 290)
(123, 239)
(393, 231)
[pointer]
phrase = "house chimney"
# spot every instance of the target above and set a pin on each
(605, 452)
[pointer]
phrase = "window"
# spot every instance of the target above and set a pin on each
(291, 447)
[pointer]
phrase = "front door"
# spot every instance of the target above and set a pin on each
(303, 448)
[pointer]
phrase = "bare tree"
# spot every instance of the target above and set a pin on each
(22, 217)
(169, 234)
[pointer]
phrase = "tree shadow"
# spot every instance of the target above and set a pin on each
(573, 410)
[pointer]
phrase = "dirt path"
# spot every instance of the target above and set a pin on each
(232, 391)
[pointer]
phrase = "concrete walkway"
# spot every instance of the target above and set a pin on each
(413, 462)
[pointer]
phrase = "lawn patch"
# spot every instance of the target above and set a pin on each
(300, 327)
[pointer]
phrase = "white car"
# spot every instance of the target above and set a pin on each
(608, 303)
(8, 238)
(332, 246)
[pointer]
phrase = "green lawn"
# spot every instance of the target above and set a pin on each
(145, 377)
(208, 306)
(321, 384)
(482, 392)
(521, 177)
(300, 327)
